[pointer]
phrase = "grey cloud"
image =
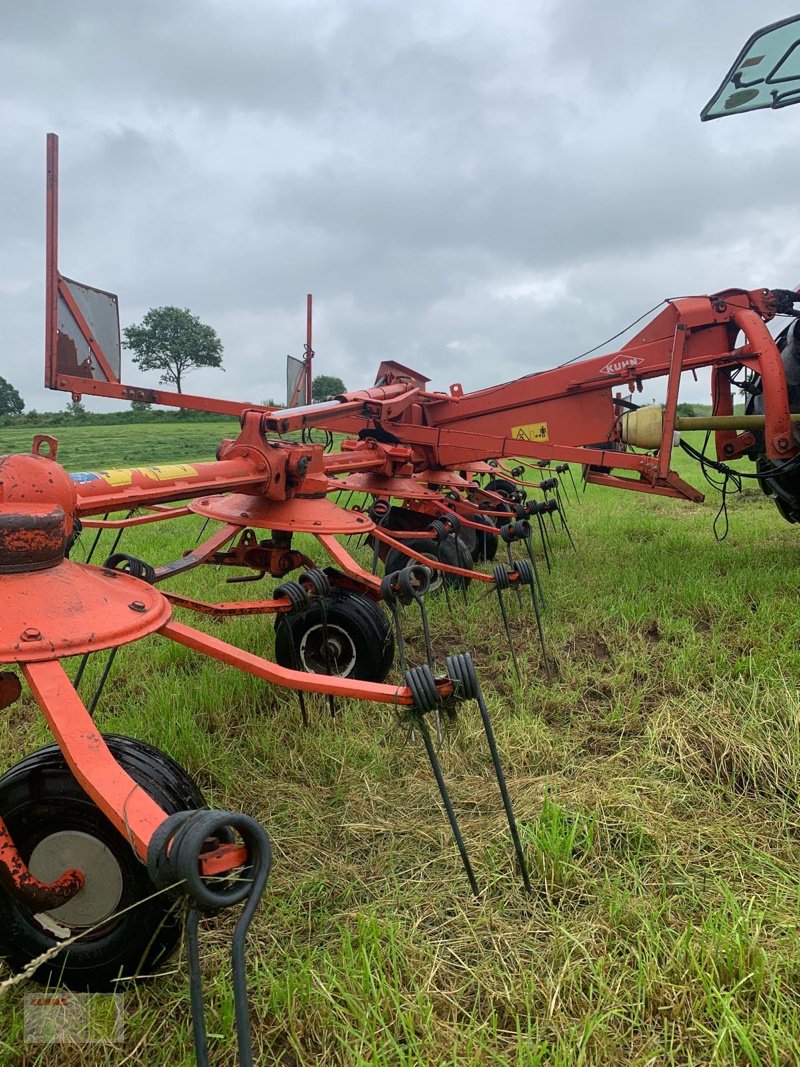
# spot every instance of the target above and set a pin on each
(477, 189)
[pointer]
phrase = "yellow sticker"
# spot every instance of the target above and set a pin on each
(169, 472)
(531, 431)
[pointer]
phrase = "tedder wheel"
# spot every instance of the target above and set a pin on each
(396, 560)
(452, 551)
(352, 639)
(55, 825)
(504, 487)
(485, 543)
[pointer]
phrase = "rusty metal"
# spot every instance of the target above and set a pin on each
(16, 879)
(299, 514)
(73, 608)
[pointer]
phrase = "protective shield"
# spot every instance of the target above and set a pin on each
(766, 73)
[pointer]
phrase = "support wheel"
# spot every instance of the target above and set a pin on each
(397, 560)
(55, 825)
(485, 543)
(503, 487)
(452, 551)
(351, 639)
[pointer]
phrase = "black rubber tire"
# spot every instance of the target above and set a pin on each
(452, 551)
(514, 493)
(485, 543)
(356, 624)
(397, 560)
(39, 797)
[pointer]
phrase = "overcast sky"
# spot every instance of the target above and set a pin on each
(477, 189)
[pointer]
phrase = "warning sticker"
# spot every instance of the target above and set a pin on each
(124, 475)
(531, 431)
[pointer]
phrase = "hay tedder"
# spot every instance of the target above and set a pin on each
(104, 839)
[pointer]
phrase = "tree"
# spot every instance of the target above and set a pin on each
(325, 386)
(11, 403)
(140, 405)
(174, 341)
(76, 409)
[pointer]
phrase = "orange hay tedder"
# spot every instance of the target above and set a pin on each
(101, 835)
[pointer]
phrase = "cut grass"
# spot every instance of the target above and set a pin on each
(655, 782)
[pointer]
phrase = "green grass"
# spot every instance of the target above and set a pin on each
(655, 781)
(87, 447)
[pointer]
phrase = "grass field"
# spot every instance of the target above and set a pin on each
(87, 447)
(655, 782)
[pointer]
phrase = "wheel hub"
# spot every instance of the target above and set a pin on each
(328, 650)
(102, 891)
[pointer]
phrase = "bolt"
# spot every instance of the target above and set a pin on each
(31, 634)
(137, 605)
(781, 444)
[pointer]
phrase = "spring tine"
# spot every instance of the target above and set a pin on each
(559, 499)
(426, 632)
(542, 535)
(96, 539)
(196, 989)
(511, 565)
(574, 486)
(460, 558)
(552, 520)
(202, 531)
(532, 558)
(501, 781)
(103, 677)
(81, 669)
(118, 538)
(448, 806)
(398, 629)
(565, 524)
(238, 966)
(507, 629)
(545, 541)
(540, 628)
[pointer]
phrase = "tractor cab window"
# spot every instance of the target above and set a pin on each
(765, 74)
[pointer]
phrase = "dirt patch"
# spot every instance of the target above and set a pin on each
(588, 645)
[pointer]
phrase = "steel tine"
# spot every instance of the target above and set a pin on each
(540, 628)
(96, 539)
(448, 806)
(508, 630)
(565, 524)
(542, 535)
(103, 678)
(501, 781)
(536, 575)
(202, 531)
(511, 565)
